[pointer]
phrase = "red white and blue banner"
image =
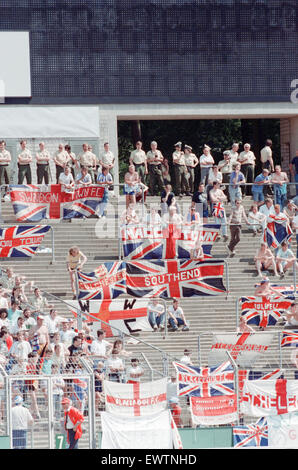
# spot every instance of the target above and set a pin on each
(106, 282)
(138, 399)
(263, 311)
(287, 291)
(245, 348)
(153, 242)
(211, 389)
(21, 240)
(204, 381)
(269, 397)
(251, 435)
(34, 203)
(127, 315)
(171, 278)
(277, 231)
(289, 339)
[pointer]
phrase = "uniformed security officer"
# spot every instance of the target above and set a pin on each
(154, 159)
(181, 173)
(191, 161)
(139, 160)
(5, 159)
(61, 159)
(24, 160)
(42, 164)
(88, 160)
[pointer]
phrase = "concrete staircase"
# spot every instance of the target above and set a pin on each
(100, 243)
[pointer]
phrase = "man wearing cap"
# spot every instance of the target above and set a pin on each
(21, 420)
(139, 160)
(191, 161)
(181, 174)
(72, 423)
(225, 166)
(154, 160)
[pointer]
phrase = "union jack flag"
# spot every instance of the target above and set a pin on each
(34, 203)
(277, 231)
(251, 435)
(205, 381)
(289, 339)
(21, 241)
(166, 247)
(218, 210)
(171, 278)
(106, 282)
(263, 311)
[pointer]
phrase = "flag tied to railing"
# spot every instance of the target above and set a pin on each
(34, 203)
(162, 278)
(21, 241)
(155, 242)
(264, 311)
(251, 435)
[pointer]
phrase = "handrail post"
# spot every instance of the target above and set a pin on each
(235, 367)
(53, 245)
(237, 312)
(80, 325)
(227, 278)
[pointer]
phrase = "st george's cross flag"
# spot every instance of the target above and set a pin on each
(211, 389)
(151, 242)
(105, 282)
(251, 374)
(34, 203)
(138, 399)
(175, 278)
(21, 241)
(263, 311)
(251, 435)
(127, 315)
(245, 348)
(269, 397)
(277, 230)
(289, 339)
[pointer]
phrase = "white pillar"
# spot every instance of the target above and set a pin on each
(108, 132)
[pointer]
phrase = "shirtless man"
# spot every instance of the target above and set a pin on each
(264, 289)
(265, 259)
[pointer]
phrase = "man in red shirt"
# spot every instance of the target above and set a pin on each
(73, 423)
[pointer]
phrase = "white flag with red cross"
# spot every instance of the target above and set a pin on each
(138, 399)
(269, 397)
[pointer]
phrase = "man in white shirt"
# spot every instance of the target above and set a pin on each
(285, 258)
(247, 160)
(24, 160)
(139, 160)
(234, 153)
(61, 159)
(29, 321)
(66, 180)
(206, 162)
(21, 420)
(100, 348)
(154, 161)
(156, 314)
(267, 209)
(176, 317)
(88, 160)
(266, 156)
(135, 372)
(181, 173)
(84, 178)
(42, 164)
(107, 159)
(52, 322)
(5, 159)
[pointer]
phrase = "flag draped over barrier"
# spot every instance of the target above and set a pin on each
(21, 241)
(245, 348)
(138, 399)
(34, 203)
(264, 311)
(175, 278)
(251, 435)
(289, 339)
(128, 315)
(269, 397)
(106, 282)
(154, 242)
